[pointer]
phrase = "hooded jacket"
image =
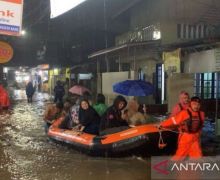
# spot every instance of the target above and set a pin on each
(112, 116)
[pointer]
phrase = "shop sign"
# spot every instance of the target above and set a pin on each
(6, 52)
(172, 61)
(11, 17)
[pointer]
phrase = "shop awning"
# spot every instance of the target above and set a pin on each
(149, 44)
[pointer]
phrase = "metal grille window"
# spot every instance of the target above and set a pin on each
(198, 31)
(207, 85)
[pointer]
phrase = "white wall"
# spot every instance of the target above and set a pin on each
(109, 78)
(200, 62)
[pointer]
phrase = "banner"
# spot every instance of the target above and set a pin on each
(11, 17)
(172, 61)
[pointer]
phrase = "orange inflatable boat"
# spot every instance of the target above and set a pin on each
(142, 139)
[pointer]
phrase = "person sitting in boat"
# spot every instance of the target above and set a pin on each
(74, 112)
(89, 119)
(4, 98)
(53, 112)
(136, 114)
(72, 118)
(148, 118)
(71, 112)
(66, 107)
(100, 105)
(134, 117)
(112, 120)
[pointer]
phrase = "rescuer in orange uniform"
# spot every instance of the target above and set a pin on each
(183, 103)
(190, 123)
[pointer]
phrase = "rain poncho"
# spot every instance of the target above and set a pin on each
(4, 98)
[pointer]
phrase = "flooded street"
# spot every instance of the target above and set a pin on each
(26, 152)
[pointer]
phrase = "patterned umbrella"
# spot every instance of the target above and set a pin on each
(133, 88)
(79, 90)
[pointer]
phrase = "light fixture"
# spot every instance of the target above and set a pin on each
(23, 32)
(58, 7)
(156, 35)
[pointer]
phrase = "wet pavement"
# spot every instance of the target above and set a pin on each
(210, 142)
(27, 154)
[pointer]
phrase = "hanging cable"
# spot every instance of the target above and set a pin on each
(106, 38)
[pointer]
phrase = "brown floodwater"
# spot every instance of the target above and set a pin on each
(26, 153)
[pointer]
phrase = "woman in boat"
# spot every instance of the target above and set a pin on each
(112, 120)
(89, 119)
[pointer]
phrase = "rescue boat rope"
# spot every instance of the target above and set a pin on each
(166, 129)
(161, 143)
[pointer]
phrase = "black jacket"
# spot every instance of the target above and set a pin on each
(112, 116)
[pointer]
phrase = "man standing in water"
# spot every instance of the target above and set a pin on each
(59, 92)
(29, 91)
(190, 123)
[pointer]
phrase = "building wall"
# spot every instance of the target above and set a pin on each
(166, 13)
(148, 66)
(109, 78)
(184, 11)
(169, 13)
(168, 32)
(175, 84)
(192, 60)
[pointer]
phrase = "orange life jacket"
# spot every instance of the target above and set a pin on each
(193, 124)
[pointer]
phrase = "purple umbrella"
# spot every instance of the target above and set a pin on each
(79, 90)
(133, 88)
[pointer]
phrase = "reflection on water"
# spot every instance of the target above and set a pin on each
(26, 153)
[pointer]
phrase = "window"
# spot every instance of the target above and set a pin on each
(207, 85)
(141, 74)
(159, 84)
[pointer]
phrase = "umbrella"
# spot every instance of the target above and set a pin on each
(133, 88)
(79, 90)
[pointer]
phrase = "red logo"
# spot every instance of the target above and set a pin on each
(161, 167)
